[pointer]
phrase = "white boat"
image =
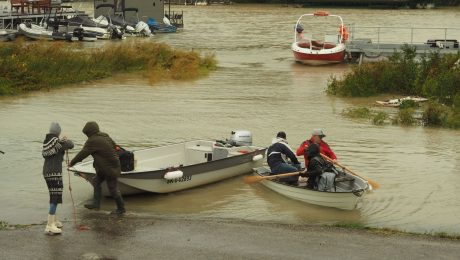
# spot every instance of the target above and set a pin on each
(326, 46)
(398, 101)
(7, 35)
(101, 21)
(184, 165)
(35, 32)
(345, 196)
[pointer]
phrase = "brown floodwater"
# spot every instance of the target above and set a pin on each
(256, 87)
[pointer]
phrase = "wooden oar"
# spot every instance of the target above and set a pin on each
(257, 178)
(374, 184)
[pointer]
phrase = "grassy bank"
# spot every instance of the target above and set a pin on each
(26, 66)
(433, 76)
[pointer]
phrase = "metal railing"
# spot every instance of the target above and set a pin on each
(448, 33)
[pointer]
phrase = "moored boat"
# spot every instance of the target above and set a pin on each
(324, 47)
(7, 35)
(398, 101)
(35, 32)
(347, 190)
(165, 27)
(184, 165)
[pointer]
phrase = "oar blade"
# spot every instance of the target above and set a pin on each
(374, 184)
(252, 179)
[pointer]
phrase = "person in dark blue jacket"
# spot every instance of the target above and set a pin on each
(277, 158)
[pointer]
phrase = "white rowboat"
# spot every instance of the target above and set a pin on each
(345, 196)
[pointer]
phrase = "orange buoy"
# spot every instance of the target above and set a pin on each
(321, 13)
(343, 31)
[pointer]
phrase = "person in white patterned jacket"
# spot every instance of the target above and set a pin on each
(53, 152)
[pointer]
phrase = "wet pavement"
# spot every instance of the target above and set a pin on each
(137, 237)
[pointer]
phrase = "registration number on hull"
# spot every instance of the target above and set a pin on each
(181, 179)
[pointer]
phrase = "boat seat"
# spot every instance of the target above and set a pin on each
(306, 45)
(329, 46)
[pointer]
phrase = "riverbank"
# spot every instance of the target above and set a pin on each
(26, 66)
(134, 237)
(433, 76)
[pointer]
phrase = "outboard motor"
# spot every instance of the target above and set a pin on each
(241, 138)
(143, 29)
(78, 32)
(115, 32)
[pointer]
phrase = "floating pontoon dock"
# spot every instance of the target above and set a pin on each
(379, 42)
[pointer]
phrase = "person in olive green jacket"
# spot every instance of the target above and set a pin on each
(106, 162)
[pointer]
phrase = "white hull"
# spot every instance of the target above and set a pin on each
(346, 201)
(201, 162)
(345, 195)
(35, 32)
(133, 186)
(323, 48)
(397, 102)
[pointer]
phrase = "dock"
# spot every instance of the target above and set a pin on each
(10, 19)
(362, 45)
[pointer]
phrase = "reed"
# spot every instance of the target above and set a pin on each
(26, 66)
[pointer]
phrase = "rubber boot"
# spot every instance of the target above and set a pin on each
(57, 222)
(96, 199)
(51, 228)
(120, 206)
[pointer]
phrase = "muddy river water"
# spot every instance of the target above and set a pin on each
(256, 87)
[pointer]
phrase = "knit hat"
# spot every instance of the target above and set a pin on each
(55, 128)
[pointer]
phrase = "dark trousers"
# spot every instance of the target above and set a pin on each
(112, 184)
(286, 168)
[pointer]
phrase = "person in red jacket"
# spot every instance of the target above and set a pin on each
(316, 137)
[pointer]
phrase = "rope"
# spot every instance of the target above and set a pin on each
(77, 227)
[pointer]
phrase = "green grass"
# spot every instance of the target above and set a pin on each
(26, 66)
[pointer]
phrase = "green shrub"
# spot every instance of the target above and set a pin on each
(438, 115)
(408, 104)
(434, 76)
(456, 103)
(405, 117)
(5, 87)
(359, 112)
(379, 118)
(434, 114)
(452, 120)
